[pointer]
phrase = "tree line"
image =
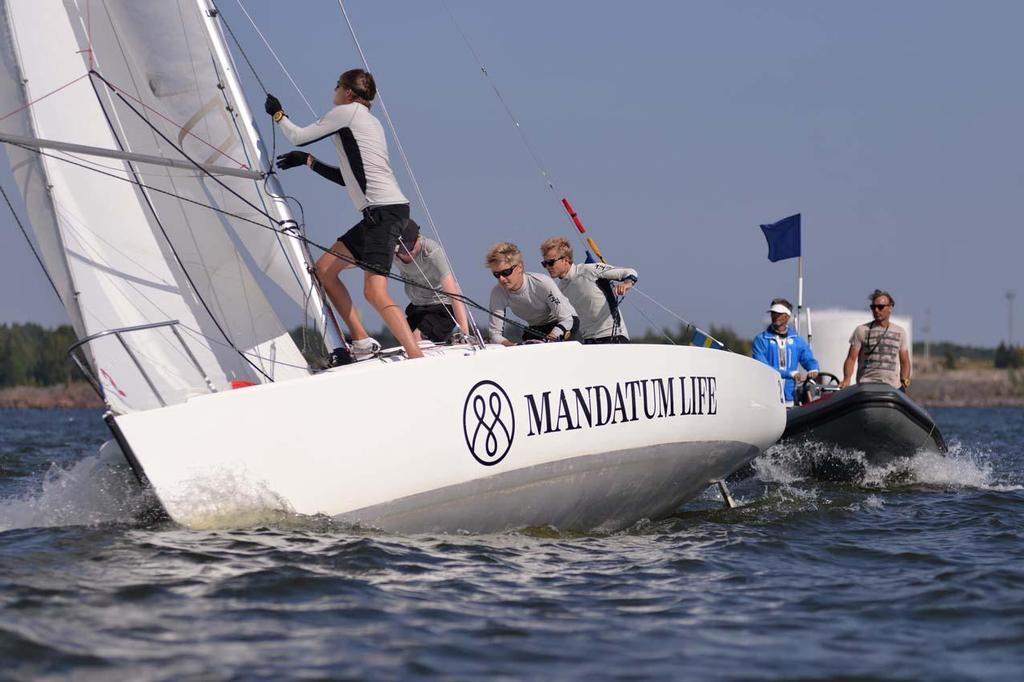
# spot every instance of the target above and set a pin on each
(31, 355)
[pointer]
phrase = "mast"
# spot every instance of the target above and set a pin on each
(296, 248)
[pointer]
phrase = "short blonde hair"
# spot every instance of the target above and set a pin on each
(561, 245)
(504, 252)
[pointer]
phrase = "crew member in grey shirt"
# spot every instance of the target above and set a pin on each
(531, 297)
(590, 289)
(432, 313)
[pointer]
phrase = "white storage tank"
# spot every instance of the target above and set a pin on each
(832, 328)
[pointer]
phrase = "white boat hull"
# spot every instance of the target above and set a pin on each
(582, 438)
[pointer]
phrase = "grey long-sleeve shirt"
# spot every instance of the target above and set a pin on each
(537, 302)
(362, 149)
(580, 286)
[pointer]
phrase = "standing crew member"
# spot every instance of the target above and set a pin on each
(879, 349)
(589, 288)
(431, 314)
(366, 173)
(532, 297)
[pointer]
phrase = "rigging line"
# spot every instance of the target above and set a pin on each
(220, 15)
(272, 54)
(121, 92)
(326, 249)
(652, 324)
(401, 149)
(42, 97)
(548, 179)
(160, 225)
(30, 244)
(313, 283)
(181, 151)
(262, 198)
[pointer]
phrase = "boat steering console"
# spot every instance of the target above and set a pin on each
(817, 388)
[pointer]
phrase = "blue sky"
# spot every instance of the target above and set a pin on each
(676, 128)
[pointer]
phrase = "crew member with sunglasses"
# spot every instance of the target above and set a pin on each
(879, 349)
(365, 171)
(532, 297)
(589, 288)
(784, 350)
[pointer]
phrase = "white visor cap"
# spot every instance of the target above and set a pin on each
(779, 308)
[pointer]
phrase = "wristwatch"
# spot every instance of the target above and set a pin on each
(904, 382)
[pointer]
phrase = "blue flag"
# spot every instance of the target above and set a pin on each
(590, 257)
(783, 238)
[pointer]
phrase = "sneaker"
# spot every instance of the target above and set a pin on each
(364, 349)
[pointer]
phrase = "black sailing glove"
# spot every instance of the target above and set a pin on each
(272, 105)
(292, 159)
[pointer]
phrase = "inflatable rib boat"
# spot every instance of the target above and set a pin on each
(876, 419)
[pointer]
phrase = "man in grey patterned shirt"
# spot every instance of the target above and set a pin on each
(532, 297)
(590, 289)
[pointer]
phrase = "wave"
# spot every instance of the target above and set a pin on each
(97, 489)
(959, 467)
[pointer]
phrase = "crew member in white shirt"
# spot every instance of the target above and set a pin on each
(365, 171)
(593, 289)
(532, 297)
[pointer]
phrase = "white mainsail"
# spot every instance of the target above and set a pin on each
(150, 78)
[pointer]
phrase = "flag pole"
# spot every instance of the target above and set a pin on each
(799, 292)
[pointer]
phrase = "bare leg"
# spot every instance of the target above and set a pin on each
(328, 267)
(376, 289)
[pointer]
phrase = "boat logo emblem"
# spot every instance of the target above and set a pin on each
(488, 422)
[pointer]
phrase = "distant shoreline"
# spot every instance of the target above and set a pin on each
(936, 388)
(62, 396)
(987, 387)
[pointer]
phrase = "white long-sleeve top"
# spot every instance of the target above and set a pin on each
(580, 286)
(537, 302)
(362, 149)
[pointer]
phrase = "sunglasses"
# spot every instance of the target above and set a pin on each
(507, 272)
(549, 263)
(879, 306)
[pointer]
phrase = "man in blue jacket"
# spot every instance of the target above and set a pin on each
(783, 349)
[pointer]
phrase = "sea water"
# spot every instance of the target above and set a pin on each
(914, 572)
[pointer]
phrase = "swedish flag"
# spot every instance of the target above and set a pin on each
(702, 339)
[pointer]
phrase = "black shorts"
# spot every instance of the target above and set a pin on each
(540, 331)
(373, 239)
(618, 338)
(435, 321)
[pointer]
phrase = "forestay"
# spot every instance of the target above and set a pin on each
(161, 84)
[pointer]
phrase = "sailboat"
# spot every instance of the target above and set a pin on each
(177, 261)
